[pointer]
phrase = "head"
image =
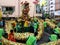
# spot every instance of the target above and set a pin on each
(11, 31)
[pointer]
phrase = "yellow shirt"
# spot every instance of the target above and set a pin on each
(0, 14)
(26, 24)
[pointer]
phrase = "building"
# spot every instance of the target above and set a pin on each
(53, 7)
(57, 8)
(12, 8)
(46, 7)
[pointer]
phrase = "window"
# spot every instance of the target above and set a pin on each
(8, 10)
(51, 2)
(51, 10)
(51, 6)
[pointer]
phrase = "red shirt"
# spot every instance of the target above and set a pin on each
(11, 37)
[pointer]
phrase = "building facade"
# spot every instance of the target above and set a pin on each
(53, 7)
(10, 8)
(57, 7)
(46, 7)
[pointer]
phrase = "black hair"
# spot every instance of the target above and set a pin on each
(11, 31)
(26, 4)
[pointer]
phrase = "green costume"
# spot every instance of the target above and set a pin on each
(35, 25)
(57, 30)
(31, 40)
(53, 37)
(1, 33)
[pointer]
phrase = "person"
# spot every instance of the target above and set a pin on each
(4, 23)
(1, 23)
(1, 34)
(57, 31)
(0, 14)
(35, 25)
(11, 36)
(53, 37)
(31, 40)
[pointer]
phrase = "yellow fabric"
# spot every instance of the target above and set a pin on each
(26, 24)
(0, 14)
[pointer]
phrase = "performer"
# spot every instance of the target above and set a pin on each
(0, 14)
(53, 37)
(57, 31)
(25, 9)
(1, 33)
(32, 40)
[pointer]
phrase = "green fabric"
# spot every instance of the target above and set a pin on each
(56, 30)
(53, 37)
(45, 24)
(1, 32)
(31, 40)
(35, 25)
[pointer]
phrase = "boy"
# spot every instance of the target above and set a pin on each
(11, 36)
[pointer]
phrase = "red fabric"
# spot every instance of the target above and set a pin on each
(11, 37)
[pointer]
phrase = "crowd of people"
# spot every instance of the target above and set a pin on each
(22, 26)
(28, 25)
